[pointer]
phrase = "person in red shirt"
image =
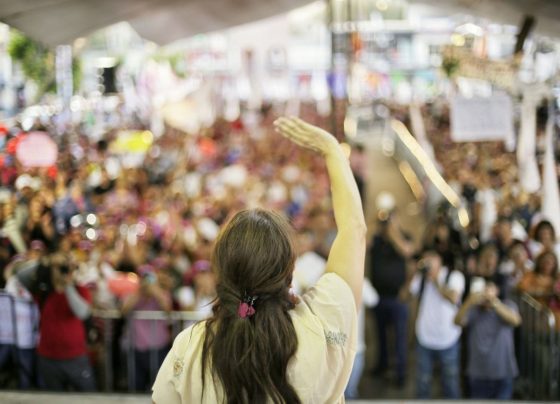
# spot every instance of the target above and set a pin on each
(63, 305)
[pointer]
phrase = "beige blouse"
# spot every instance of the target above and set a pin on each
(326, 326)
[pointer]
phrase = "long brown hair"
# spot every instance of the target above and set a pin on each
(253, 256)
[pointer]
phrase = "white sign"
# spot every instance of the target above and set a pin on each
(480, 119)
(37, 149)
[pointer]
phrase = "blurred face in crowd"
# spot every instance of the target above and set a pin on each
(518, 254)
(503, 229)
(37, 250)
(27, 192)
(322, 222)
(488, 261)
(442, 232)
(165, 279)
(304, 242)
(471, 264)
(205, 283)
(546, 235)
(65, 244)
(547, 264)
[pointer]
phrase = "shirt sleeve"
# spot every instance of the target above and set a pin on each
(332, 301)
(330, 310)
(164, 390)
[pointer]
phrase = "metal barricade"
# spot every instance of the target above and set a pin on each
(539, 352)
(109, 320)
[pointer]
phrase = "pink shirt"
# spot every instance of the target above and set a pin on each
(150, 334)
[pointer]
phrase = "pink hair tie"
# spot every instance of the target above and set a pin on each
(246, 308)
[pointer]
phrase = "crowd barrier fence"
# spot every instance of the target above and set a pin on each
(538, 342)
(112, 351)
(538, 351)
(108, 320)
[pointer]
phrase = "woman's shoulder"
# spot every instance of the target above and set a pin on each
(325, 321)
(327, 306)
(180, 364)
(189, 339)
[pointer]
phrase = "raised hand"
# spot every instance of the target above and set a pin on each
(306, 135)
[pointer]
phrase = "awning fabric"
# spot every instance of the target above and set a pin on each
(55, 22)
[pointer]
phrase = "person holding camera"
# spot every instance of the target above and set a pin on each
(63, 306)
(491, 353)
(150, 338)
(389, 252)
(438, 290)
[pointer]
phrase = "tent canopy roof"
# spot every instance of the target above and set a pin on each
(57, 22)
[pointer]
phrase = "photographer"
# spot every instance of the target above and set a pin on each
(438, 290)
(63, 306)
(389, 251)
(150, 338)
(491, 354)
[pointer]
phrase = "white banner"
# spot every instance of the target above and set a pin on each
(550, 194)
(529, 176)
(480, 119)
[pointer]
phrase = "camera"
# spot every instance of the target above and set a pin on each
(478, 285)
(423, 267)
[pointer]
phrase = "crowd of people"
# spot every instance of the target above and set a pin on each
(464, 282)
(96, 233)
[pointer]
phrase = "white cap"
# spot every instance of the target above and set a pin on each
(23, 181)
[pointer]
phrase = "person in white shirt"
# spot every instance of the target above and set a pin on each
(439, 291)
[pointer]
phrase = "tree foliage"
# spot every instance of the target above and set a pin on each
(38, 62)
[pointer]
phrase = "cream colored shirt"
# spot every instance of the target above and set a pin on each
(326, 327)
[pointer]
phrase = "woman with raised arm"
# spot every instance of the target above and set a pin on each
(262, 345)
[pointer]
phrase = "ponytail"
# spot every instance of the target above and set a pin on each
(248, 351)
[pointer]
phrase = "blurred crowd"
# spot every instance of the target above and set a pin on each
(460, 286)
(105, 234)
(100, 231)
